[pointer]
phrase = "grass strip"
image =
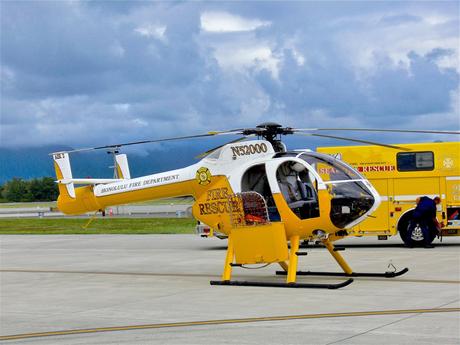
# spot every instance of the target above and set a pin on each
(167, 201)
(106, 225)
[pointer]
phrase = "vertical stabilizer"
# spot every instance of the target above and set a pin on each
(63, 173)
(122, 166)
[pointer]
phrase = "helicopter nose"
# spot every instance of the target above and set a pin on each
(351, 203)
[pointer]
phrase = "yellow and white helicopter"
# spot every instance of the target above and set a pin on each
(255, 191)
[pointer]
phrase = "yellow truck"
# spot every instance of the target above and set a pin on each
(400, 177)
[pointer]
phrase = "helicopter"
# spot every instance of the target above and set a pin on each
(264, 197)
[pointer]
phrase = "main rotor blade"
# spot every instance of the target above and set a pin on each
(356, 140)
(204, 154)
(376, 130)
(116, 146)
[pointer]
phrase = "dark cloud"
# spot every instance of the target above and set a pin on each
(81, 73)
(421, 89)
(439, 53)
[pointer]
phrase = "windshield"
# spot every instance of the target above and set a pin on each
(351, 198)
(350, 201)
(330, 169)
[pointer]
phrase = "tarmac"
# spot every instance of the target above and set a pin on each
(154, 289)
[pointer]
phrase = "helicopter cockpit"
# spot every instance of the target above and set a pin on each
(299, 176)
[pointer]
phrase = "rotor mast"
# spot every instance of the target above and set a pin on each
(272, 132)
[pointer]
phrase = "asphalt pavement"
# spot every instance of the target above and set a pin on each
(154, 289)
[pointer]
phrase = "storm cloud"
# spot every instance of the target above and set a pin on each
(94, 72)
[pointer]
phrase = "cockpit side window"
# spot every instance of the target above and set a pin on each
(298, 189)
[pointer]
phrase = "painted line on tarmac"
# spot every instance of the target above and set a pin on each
(115, 273)
(198, 275)
(226, 321)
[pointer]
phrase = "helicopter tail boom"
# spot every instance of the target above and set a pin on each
(99, 193)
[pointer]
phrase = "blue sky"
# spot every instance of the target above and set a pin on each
(85, 73)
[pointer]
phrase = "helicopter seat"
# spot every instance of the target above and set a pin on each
(300, 196)
(291, 192)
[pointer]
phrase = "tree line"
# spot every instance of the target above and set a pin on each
(37, 189)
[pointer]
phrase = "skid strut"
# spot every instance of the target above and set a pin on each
(347, 271)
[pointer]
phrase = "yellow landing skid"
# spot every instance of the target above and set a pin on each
(347, 271)
(265, 244)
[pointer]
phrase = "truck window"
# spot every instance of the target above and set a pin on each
(415, 161)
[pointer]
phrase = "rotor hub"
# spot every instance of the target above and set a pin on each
(272, 132)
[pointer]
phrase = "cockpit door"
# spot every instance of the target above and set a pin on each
(296, 185)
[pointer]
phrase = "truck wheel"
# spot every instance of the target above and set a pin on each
(412, 238)
(403, 229)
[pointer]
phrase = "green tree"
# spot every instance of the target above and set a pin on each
(44, 189)
(15, 190)
(35, 190)
(2, 198)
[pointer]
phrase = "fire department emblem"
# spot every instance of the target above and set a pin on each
(448, 163)
(203, 176)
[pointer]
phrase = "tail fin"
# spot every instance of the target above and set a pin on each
(63, 171)
(122, 166)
